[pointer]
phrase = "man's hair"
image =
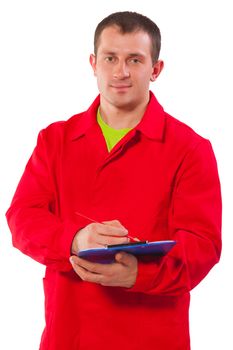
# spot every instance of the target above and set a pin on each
(129, 22)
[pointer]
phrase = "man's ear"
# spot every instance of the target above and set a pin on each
(92, 60)
(157, 69)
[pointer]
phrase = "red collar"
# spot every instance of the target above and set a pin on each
(152, 124)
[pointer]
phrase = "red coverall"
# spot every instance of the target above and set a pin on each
(161, 182)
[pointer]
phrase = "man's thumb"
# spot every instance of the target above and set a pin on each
(122, 258)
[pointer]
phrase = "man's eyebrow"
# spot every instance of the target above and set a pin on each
(106, 52)
(138, 54)
(114, 53)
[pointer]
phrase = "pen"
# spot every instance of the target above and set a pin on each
(90, 219)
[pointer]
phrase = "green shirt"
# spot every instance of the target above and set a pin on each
(112, 136)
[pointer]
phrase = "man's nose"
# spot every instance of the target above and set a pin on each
(121, 71)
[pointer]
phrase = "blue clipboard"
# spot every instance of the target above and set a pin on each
(107, 254)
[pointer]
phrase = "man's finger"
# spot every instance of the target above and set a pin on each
(102, 240)
(88, 276)
(88, 265)
(109, 230)
(124, 258)
(114, 223)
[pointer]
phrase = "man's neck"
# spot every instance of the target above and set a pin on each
(121, 118)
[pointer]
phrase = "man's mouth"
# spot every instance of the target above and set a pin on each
(120, 86)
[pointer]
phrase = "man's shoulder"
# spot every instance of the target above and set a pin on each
(76, 124)
(173, 129)
(180, 131)
(63, 128)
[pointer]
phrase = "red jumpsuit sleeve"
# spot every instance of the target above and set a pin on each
(195, 223)
(36, 230)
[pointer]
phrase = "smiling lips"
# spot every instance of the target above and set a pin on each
(120, 86)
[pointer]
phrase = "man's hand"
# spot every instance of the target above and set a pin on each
(99, 235)
(122, 273)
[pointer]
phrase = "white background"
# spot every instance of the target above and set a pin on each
(45, 76)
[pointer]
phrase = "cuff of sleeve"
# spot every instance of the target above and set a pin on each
(147, 276)
(70, 230)
(65, 242)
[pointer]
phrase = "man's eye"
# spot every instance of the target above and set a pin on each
(134, 60)
(109, 59)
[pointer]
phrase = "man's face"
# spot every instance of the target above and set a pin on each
(123, 67)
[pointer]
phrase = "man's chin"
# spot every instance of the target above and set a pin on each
(128, 104)
(122, 100)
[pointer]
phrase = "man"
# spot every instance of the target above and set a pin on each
(136, 171)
